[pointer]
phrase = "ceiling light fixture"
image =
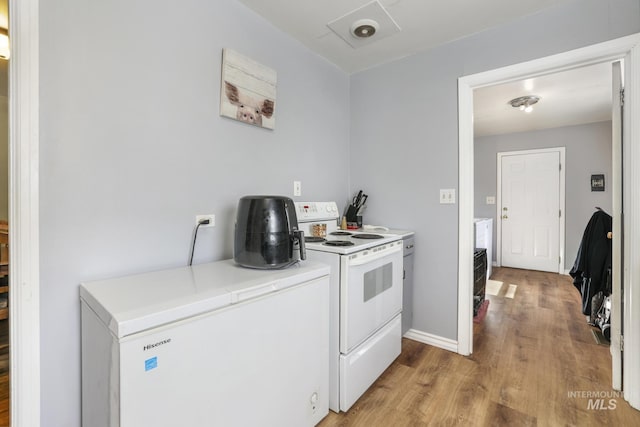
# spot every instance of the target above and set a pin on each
(524, 103)
(364, 28)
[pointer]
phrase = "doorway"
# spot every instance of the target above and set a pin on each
(626, 47)
(4, 215)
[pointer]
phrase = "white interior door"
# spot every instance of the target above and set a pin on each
(617, 252)
(530, 210)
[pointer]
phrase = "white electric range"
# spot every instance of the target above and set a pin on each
(365, 299)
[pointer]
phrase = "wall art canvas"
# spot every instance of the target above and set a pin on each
(248, 92)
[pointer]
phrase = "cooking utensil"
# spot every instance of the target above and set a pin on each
(356, 199)
(364, 200)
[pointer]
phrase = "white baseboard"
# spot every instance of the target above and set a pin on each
(434, 340)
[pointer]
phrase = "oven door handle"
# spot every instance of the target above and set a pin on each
(363, 259)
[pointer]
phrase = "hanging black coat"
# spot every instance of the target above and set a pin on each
(590, 269)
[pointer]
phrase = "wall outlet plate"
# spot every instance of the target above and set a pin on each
(297, 188)
(210, 217)
(491, 200)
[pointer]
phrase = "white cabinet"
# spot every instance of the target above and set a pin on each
(484, 239)
(407, 288)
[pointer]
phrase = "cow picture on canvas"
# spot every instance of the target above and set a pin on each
(248, 90)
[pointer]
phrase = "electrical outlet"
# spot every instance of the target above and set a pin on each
(313, 402)
(297, 188)
(447, 196)
(210, 217)
(491, 200)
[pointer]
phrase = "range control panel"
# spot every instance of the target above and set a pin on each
(315, 211)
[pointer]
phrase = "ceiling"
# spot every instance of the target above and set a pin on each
(573, 97)
(411, 26)
(424, 24)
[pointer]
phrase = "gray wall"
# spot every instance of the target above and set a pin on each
(133, 147)
(588, 151)
(404, 134)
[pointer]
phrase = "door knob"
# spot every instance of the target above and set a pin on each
(504, 217)
(505, 209)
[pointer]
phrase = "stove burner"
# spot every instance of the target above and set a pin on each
(367, 236)
(341, 233)
(338, 243)
(313, 239)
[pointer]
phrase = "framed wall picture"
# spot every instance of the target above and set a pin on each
(597, 182)
(248, 91)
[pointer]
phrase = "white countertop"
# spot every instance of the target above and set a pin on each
(386, 231)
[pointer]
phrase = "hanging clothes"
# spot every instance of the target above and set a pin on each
(589, 271)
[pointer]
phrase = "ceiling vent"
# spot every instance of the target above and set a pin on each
(365, 25)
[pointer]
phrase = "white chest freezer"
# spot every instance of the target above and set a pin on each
(209, 345)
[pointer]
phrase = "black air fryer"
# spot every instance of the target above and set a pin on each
(266, 234)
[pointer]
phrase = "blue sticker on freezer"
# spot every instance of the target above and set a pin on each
(150, 364)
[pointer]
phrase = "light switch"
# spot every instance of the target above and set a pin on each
(491, 200)
(447, 196)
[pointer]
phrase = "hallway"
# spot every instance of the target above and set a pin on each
(535, 362)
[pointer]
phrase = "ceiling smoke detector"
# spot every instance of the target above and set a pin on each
(364, 28)
(367, 24)
(524, 103)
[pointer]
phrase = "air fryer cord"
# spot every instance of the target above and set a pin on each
(195, 236)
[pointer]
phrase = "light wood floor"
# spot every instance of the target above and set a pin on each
(530, 353)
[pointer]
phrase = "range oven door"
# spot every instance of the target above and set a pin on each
(370, 292)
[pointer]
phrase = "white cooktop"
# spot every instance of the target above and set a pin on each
(327, 213)
(358, 244)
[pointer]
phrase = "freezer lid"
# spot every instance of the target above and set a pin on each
(131, 304)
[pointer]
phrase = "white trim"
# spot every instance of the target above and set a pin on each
(433, 340)
(616, 246)
(602, 52)
(465, 218)
(561, 242)
(631, 202)
(23, 213)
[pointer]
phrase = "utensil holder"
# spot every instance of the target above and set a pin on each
(352, 213)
